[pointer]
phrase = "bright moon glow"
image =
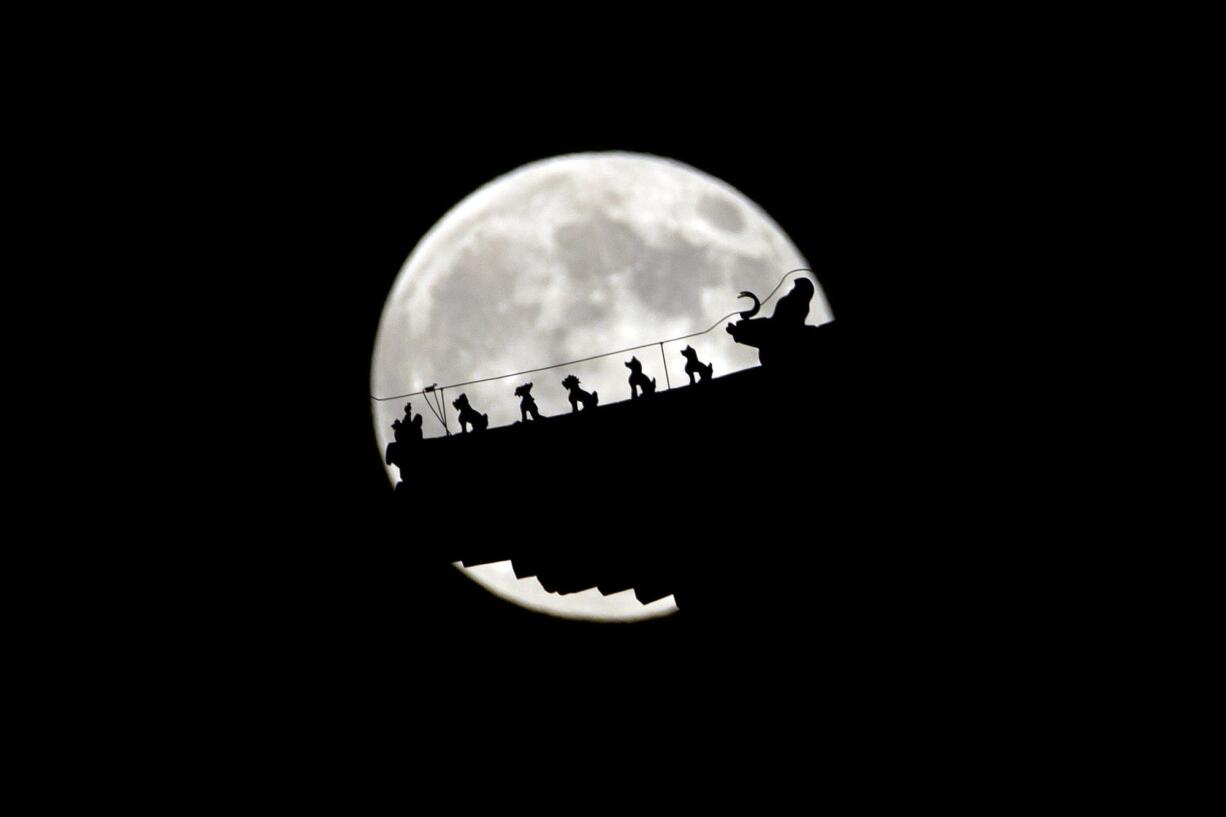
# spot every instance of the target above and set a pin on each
(567, 258)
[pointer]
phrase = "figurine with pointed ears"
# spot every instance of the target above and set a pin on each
(693, 366)
(638, 380)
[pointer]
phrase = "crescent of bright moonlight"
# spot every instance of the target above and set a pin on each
(566, 258)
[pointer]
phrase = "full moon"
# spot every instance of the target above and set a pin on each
(568, 258)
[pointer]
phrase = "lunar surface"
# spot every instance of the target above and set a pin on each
(563, 259)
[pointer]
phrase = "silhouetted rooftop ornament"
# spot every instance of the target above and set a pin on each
(694, 366)
(780, 338)
(407, 432)
(527, 405)
(469, 415)
(578, 396)
(638, 380)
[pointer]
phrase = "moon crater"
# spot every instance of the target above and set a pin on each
(722, 213)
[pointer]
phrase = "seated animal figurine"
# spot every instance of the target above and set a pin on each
(527, 405)
(694, 366)
(638, 380)
(469, 415)
(578, 395)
